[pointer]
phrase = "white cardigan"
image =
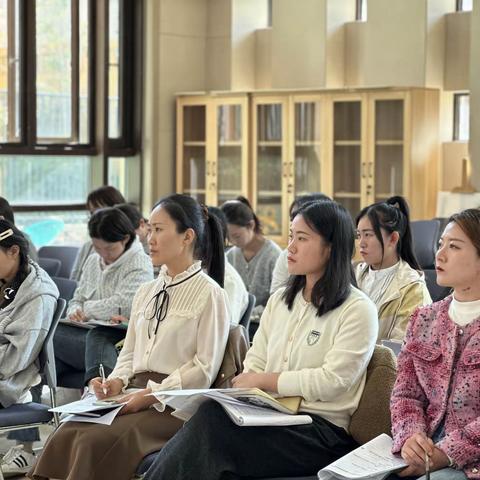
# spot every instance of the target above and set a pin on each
(322, 359)
(190, 342)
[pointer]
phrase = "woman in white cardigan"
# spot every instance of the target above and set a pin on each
(315, 340)
(176, 339)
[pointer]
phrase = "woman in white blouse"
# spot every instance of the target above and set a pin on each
(315, 340)
(176, 339)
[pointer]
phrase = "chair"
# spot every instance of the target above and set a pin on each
(50, 265)
(66, 254)
(66, 287)
(28, 415)
(425, 237)
(245, 320)
(436, 291)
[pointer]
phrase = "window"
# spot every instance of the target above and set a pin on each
(270, 13)
(461, 117)
(61, 62)
(464, 5)
(361, 11)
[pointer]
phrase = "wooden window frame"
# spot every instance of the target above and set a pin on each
(456, 115)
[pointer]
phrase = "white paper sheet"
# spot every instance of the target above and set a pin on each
(373, 461)
(106, 419)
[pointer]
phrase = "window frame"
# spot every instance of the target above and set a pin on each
(459, 7)
(456, 115)
(358, 10)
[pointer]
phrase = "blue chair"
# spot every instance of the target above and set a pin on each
(425, 237)
(28, 415)
(245, 320)
(65, 253)
(50, 265)
(66, 287)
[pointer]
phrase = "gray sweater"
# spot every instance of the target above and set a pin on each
(104, 289)
(256, 273)
(24, 326)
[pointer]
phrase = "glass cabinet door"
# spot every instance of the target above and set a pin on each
(194, 151)
(229, 158)
(269, 155)
(307, 153)
(389, 148)
(347, 154)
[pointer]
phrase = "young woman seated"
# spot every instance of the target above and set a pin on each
(176, 339)
(390, 274)
(252, 255)
(315, 340)
(435, 403)
(102, 197)
(110, 279)
(28, 298)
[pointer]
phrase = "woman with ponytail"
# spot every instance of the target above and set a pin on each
(390, 274)
(253, 255)
(28, 298)
(176, 339)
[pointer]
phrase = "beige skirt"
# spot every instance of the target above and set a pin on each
(83, 451)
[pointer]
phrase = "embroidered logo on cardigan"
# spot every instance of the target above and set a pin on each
(313, 337)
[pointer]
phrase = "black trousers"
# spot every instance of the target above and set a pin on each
(210, 447)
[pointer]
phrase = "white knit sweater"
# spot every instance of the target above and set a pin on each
(104, 289)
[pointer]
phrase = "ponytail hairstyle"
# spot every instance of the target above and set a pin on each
(239, 212)
(393, 215)
(187, 213)
(11, 236)
(333, 222)
(111, 225)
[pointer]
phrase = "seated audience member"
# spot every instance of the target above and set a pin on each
(253, 255)
(28, 298)
(315, 340)
(280, 271)
(6, 212)
(390, 274)
(106, 196)
(138, 221)
(110, 279)
(234, 286)
(176, 339)
(435, 403)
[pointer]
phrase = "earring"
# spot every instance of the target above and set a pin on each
(8, 293)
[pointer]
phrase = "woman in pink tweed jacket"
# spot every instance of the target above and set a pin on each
(435, 403)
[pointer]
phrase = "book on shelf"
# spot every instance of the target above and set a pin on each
(245, 406)
(372, 461)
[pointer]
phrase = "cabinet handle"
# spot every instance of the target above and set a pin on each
(207, 169)
(289, 188)
(285, 170)
(364, 175)
(213, 171)
(370, 169)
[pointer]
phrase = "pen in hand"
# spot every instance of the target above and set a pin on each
(427, 466)
(102, 374)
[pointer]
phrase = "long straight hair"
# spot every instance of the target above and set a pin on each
(334, 224)
(187, 213)
(393, 215)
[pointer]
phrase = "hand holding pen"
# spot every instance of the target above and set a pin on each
(119, 318)
(112, 386)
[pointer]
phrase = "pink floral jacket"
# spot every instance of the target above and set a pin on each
(430, 389)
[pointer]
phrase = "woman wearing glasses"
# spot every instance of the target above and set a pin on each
(176, 339)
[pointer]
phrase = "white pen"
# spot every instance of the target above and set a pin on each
(102, 374)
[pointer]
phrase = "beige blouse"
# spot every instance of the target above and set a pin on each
(189, 343)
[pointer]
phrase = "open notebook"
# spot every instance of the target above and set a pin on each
(245, 406)
(373, 461)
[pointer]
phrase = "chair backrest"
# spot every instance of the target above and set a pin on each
(50, 265)
(425, 237)
(66, 287)
(47, 355)
(372, 416)
(436, 291)
(235, 351)
(245, 320)
(66, 254)
(394, 345)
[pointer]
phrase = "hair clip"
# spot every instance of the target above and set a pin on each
(6, 234)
